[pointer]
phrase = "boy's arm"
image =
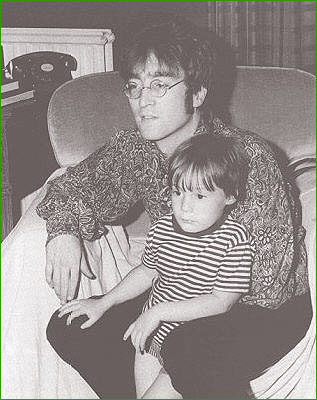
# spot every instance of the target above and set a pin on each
(183, 310)
(135, 283)
(202, 306)
(232, 281)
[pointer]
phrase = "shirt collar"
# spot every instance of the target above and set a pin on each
(209, 127)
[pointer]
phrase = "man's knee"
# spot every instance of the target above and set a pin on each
(64, 338)
(202, 344)
(179, 352)
(197, 336)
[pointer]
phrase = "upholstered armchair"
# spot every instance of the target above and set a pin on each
(278, 104)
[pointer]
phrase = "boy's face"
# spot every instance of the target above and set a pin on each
(161, 119)
(198, 210)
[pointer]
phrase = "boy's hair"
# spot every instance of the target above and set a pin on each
(205, 161)
(178, 46)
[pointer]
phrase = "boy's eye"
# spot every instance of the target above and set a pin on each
(176, 192)
(200, 196)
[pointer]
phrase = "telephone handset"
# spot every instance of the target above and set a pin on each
(43, 71)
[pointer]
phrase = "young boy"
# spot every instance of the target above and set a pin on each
(197, 259)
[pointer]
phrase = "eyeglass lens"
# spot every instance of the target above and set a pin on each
(157, 89)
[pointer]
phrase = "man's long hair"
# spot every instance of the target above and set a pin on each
(178, 47)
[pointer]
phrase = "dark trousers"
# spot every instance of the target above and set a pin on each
(216, 357)
(99, 353)
(209, 358)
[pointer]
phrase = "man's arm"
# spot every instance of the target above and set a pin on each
(64, 256)
(77, 206)
(206, 305)
(267, 214)
(97, 191)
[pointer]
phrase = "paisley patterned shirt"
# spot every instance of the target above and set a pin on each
(102, 188)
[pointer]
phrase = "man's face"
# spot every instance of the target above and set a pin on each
(161, 118)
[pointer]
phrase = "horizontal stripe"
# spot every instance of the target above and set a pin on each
(192, 266)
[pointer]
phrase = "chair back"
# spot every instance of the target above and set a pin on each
(280, 105)
(84, 112)
(277, 103)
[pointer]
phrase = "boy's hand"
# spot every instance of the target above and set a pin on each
(93, 308)
(141, 328)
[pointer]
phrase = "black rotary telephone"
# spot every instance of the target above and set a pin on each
(43, 71)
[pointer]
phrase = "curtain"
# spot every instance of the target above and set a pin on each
(270, 33)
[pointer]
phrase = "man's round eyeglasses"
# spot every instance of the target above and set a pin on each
(157, 89)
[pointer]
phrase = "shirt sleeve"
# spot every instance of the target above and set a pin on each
(268, 213)
(234, 274)
(149, 257)
(97, 191)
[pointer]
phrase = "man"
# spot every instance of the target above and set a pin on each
(169, 69)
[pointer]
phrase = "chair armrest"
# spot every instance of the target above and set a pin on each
(28, 200)
(300, 165)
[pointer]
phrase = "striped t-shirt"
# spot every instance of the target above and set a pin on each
(190, 265)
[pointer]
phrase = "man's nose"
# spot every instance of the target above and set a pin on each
(145, 98)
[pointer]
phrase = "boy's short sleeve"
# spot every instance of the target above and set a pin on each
(149, 256)
(234, 274)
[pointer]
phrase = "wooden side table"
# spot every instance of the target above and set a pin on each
(6, 188)
(27, 157)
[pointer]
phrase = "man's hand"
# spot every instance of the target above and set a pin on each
(64, 259)
(93, 308)
(141, 328)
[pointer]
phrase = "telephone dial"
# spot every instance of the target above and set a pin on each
(43, 71)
